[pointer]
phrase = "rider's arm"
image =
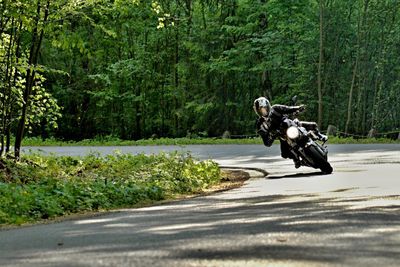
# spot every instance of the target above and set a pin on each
(264, 131)
(283, 109)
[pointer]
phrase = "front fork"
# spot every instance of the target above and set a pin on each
(300, 154)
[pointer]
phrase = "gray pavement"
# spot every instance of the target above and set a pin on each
(290, 218)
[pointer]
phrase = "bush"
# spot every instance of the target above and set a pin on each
(253, 139)
(42, 187)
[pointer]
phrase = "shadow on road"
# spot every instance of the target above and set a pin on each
(296, 175)
(303, 227)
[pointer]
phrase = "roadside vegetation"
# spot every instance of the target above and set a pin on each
(114, 141)
(41, 187)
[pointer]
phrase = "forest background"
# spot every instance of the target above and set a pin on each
(134, 69)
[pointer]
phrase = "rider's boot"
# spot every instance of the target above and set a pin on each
(297, 163)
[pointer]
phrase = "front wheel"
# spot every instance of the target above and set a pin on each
(320, 161)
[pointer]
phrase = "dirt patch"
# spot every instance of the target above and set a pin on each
(234, 176)
(230, 179)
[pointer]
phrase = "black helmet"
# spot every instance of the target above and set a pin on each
(262, 106)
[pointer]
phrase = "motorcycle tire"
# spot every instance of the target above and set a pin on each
(320, 161)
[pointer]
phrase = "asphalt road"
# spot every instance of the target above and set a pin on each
(290, 218)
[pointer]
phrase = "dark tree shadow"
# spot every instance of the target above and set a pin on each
(301, 227)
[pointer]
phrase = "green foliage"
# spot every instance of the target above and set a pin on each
(139, 69)
(44, 108)
(41, 187)
(114, 141)
(24, 100)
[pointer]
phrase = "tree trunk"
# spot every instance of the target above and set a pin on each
(360, 35)
(12, 83)
(381, 71)
(320, 62)
(350, 103)
(30, 75)
(266, 84)
(7, 80)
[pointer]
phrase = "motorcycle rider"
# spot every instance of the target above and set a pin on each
(269, 121)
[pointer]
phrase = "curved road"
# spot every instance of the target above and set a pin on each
(290, 218)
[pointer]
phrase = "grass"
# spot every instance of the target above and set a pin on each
(351, 140)
(34, 141)
(44, 187)
(112, 141)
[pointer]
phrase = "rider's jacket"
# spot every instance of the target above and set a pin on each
(267, 127)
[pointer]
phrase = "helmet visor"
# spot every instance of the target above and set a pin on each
(264, 107)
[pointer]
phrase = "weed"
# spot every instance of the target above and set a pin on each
(112, 141)
(43, 187)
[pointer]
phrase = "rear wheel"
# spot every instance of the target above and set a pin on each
(320, 161)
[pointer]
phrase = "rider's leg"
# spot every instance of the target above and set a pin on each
(312, 126)
(285, 153)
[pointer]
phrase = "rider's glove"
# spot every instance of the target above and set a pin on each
(263, 124)
(264, 127)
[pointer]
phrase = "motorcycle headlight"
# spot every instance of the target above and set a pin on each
(292, 132)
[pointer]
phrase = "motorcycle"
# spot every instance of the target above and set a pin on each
(305, 145)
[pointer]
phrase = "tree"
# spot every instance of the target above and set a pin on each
(137, 69)
(22, 26)
(321, 59)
